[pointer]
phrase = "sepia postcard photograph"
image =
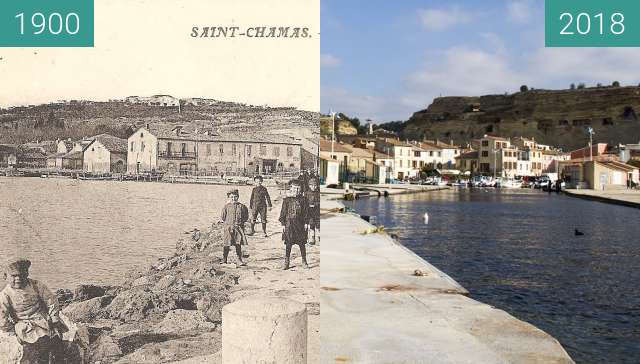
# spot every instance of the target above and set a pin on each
(162, 185)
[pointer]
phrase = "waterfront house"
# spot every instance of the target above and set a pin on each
(598, 174)
(8, 155)
(402, 154)
(329, 171)
(178, 149)
(72, 160)
(489, 147)
(448, 154)
(468, 162)
(337, 151)
(31, 158)
(105, 154)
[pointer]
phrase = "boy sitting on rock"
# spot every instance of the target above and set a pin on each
(234, 216)
(30, 311)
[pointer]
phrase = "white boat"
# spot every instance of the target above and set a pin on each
(510, 183)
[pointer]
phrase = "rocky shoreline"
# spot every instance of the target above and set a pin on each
(166, 312)
(170, 310)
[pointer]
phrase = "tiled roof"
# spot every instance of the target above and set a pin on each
(325, 146)
(469, 155)
(188, 132)
(111, 143)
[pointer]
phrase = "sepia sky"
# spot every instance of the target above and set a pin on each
(143, 47)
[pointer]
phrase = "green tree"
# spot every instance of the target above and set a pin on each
(615, 84)
(524, 88)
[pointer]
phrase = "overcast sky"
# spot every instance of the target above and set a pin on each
(144, 47)
(385, 60)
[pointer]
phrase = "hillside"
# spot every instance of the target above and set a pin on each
(343, 127)
(558, 118)
(77, 120)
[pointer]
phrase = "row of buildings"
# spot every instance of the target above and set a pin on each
(385, 158)
(167, 148)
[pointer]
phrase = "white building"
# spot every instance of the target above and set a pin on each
(105, 154)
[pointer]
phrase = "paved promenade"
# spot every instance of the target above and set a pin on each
(619, 197)
(381, 303)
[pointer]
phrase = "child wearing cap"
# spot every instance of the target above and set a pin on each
(293, 218)
(259, 202)
(233, 217)
(312, 196)
(30, 311)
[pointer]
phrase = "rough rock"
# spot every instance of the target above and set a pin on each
(89, 310)
(88, 291)
(138, 303)
(165, 283)
(551, 117)
(182, 321)
(105, 349)
(211, 305)
(10, 349)
(143, 281)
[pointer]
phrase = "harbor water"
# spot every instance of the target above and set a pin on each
(517, 250)
(80, 232)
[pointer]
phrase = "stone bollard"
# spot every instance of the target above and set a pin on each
(264, 330)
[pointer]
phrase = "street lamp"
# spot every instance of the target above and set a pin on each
(333, 131)
(591, 132)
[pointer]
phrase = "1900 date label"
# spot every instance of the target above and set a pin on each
(46, 23)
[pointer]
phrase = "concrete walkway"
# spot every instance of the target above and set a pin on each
(375, 309)
(629, 198)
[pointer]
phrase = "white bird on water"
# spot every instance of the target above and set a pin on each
(426, 218)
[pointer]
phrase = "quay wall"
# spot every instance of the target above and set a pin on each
(382, 303)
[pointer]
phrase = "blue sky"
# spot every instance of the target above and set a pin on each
(384, 60)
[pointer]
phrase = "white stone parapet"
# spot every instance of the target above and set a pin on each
(264, 330)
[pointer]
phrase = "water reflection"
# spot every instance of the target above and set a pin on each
(516, 249)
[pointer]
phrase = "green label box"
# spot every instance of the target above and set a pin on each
(592, 23)
(46, 23)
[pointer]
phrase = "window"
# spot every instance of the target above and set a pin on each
(132, 145)
(263, 150)
(183, 149)
(141, 135)
(439, 154)
(169, 148)
(233, 149)
(400, 163)
(485, 143)
(506, 165)
(485, 153)
(276, 151)
(248, 150)
(142, 146)
(208, 149)
(221, 148)
(289, 152)
(431, 153)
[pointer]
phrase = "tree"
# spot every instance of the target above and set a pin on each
(581, 86)
(599, 85)
(615, 84)
(573, 86)
(524, 88)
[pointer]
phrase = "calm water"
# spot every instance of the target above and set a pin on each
(93, 232)
(516, 250)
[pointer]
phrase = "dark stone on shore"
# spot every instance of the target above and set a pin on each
(85, 292)
(211, 305)
(89, 310)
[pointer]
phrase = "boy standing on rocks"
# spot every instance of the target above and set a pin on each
(293, 217)
(258, 204)
(234, 216)
(30, 311)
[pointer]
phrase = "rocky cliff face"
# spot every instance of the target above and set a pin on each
(558, 118)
